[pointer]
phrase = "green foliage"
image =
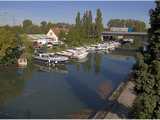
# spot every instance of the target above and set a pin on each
(147, 73)
(9, 49)
(30, 28)
(28, 46)
(27, 26)
(85, 31)
(98, 22)
(154, 33)
(12, 45)
(145, 105)
(78, 20)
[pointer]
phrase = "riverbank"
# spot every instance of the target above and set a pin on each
(121, 100)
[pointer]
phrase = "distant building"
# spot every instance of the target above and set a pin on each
(120, 29)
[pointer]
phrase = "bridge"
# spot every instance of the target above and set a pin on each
(108, 35)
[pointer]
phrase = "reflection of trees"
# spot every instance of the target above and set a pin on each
(27, 72)
(104, 89)
(97, 62)
(12, 82)
(87, 66)
(10, 86)
(78, 66)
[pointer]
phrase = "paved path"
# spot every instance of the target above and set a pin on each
(124, 102)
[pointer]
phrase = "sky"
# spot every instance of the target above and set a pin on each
(12, 12)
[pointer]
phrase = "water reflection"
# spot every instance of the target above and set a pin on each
(87, 65)
(58, 68)
(104, 89)
(12, 83)
(97, 63)
(46, 92)
(9, 86)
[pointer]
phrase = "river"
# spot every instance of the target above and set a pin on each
(65, 91)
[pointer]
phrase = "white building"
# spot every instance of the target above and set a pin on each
(51, 34)
(51, 38)
(118, 29)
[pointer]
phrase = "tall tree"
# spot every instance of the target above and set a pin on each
(98, 22)
(78, 20)
(148, 78)
(154, 33)
(90, 22)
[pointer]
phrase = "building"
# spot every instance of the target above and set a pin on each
(51, 38)
(120, 29)
(22, 61)
(39, 39)
(54, 32)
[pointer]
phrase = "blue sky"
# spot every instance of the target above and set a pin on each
(54, 11)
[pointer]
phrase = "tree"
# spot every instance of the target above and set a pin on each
(85, 31)
(98, 22)
(9, 46)
(44, 28)
(78, 20)
(148, 72)
(27, 25)
(43, 23)
(90, 23)
(154, 33)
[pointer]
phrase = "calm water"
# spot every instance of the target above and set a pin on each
(39, 92)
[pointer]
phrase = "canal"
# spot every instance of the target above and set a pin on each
(62, 92)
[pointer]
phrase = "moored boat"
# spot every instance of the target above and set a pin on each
(78, 53)
(50, 58)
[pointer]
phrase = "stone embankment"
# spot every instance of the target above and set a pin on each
(123, 104)
(121, 100)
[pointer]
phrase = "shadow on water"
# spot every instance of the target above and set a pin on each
(91, 98)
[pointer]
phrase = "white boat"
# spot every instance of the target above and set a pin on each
(58, 58)
(91, 48)
(78, 53)
(65, 53)
(50, 58)
(81, 55)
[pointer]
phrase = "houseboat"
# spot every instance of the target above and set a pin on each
(49, 58)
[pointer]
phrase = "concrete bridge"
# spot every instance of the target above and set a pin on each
(109, 35)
